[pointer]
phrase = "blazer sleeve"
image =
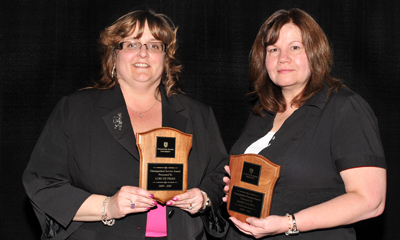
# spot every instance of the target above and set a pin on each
(46, 178)
(212, 182)
(218, 157)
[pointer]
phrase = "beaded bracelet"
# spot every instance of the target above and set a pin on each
(292, 225)
(104, 215)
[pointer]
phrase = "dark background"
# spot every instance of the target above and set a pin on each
(49, 49)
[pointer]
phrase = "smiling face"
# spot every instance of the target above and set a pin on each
(286, 60)
(140, 67)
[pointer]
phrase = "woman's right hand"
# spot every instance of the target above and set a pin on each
(121, 203)
(227, 182)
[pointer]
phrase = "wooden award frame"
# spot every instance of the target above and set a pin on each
(253, 178)
(164, 154)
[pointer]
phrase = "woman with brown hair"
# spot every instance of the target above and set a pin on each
(324, 136)
(83, 175)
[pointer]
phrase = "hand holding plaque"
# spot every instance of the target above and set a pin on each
(253, 179)
(164, 156)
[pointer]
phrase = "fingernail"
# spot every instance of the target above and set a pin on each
(151, 195)
(147, 208)
(175, 199)
(169, 203)
(154, 202)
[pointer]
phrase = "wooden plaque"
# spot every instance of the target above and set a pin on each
(164, 156)
(253, 178)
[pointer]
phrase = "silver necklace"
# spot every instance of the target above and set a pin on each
(140, 113)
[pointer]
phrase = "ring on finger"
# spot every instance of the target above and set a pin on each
(132, 204)
(190, 207)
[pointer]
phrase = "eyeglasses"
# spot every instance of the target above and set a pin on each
(153, 47)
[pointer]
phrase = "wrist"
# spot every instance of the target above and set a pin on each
(292, 225)
(206, 200)
(104, 216)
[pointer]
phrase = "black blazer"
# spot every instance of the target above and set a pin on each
(81, 152)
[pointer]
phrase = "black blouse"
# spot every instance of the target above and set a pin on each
(320, 139)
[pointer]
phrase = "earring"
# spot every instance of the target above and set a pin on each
(113, 71)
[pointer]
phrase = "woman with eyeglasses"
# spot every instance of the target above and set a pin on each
(83, 175)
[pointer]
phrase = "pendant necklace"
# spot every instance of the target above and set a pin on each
(140, 113)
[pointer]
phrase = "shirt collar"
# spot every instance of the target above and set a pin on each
(320, 98)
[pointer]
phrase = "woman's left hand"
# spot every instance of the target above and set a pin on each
(190, 201)
(261, 227)
(227, 182)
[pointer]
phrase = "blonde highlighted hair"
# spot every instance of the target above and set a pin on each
(161, 27)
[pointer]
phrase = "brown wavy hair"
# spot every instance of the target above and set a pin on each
(161, 27)
(319, 54)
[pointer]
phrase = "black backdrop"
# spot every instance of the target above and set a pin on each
(49, 49)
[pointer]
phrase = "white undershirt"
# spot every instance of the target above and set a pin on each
(260, 144)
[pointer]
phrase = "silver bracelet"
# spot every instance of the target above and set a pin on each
(292, 225)
(104, 215)
(207, 201)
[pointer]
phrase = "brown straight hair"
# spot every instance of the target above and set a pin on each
(318, 52)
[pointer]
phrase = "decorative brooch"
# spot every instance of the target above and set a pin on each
(118, 121)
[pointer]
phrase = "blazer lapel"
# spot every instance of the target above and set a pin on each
(116, 118)
(171, 107)
(115, 115)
